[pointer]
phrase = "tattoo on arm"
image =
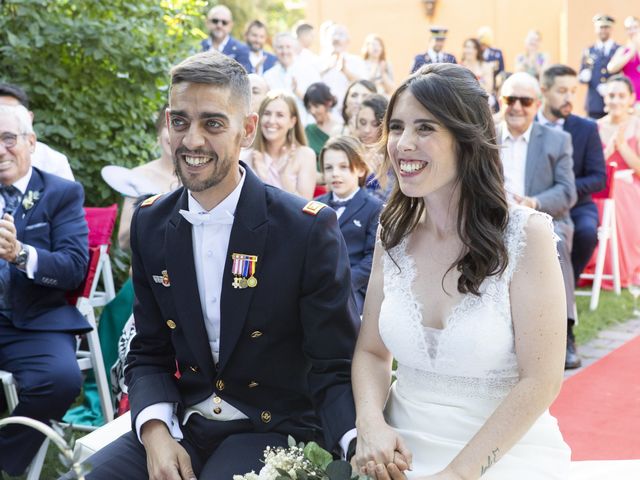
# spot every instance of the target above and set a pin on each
(491, 459)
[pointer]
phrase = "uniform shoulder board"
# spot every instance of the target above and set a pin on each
(150, 201)
(313, 207)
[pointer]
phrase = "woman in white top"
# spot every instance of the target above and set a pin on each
(378, 67)
(279, 154)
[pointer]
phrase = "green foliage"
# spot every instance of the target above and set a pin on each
(96, 74)
(317, 455)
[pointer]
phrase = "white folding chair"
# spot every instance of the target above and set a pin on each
(607, 231)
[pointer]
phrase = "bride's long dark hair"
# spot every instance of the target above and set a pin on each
(452, 94)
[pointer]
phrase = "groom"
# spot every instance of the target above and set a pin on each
(244, 315)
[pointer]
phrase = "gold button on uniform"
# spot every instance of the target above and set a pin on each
(217, 399)
(256, 334)
(603, 71)
(220, 385)
(171, 324)
(217, 410)
(265, 416)
(602, 79)
(253, 384)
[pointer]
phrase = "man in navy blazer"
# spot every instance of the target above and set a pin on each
(43, 255)
(358, 222)
(256, 36)
(593, 65)
(240, 287)
(436, 53)
(219, 24)
(559, 84)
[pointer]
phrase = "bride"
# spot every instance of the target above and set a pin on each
(466, 294)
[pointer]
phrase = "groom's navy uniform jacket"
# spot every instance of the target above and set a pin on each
(286, 344)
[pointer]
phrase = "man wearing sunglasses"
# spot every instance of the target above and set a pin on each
(219, 23)
(538, 167)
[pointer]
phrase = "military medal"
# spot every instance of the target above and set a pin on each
(243, 269)
(165, 279)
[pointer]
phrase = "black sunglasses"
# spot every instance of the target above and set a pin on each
(216, 21)
(524, 101)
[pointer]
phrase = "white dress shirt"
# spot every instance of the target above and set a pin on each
(514, 160)
(336, 198)
(32, 260)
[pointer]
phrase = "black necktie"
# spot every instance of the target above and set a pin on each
(336, 204)
(11, 197)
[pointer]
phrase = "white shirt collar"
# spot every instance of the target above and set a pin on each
(222, 44)
(226, 207)
(338, 199)
(23, 183)
(545, 121)
(507, 135)
(606, 46)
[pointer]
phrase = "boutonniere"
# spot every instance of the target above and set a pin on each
(29, 200)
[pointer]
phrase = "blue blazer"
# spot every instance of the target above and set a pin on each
(595, 60)
(234, 49)
(358, 224)
(286, 345)
(56, 227)
(269, 62)
(588, 157)
(424, 59)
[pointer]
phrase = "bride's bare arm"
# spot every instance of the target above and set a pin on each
(371, 377)
(538, 308)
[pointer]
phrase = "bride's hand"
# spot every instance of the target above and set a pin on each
(379, 444)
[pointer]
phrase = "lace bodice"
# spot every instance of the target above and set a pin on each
(474, 354)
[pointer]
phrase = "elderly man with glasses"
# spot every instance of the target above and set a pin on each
(538, 168)
(219, 23)
(43, 255)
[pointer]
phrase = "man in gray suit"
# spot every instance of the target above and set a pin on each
(538, 169)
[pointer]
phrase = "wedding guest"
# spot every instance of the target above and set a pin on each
(44, 157)
(436, 53)
(369, 131)
(319, 102)
(593, 66)
(532, 61)
(156, 176)
(259, 89)
(358, 213)
(304, 35)
(279, 154)
(352, 99)
(473, 59)
(620, 132)
(220, 23)
(626, 60)
(490, 54)
(256, 37)
(378, 66)
(454, 297)
(340, 68)
(290, 75)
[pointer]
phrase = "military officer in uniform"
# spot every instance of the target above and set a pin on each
(244, 314)
(593, 67)
(436, 53)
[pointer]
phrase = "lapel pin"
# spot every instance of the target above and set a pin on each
(357, 223)
(243, 270)
(162, 279)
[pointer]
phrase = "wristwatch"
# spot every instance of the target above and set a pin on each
(22, 257)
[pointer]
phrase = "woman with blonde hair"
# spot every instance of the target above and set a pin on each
(378, 67)
(280, 155)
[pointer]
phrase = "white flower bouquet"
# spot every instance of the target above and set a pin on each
(301, 462)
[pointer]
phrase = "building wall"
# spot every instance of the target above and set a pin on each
(565, 25)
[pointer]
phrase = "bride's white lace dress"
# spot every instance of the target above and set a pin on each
(450, 381)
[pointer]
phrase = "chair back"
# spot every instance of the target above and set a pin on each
(607, 191)
(101, 222)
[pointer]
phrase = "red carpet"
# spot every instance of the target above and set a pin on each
(599, 408)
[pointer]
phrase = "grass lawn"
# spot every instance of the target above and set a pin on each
(611, 311)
